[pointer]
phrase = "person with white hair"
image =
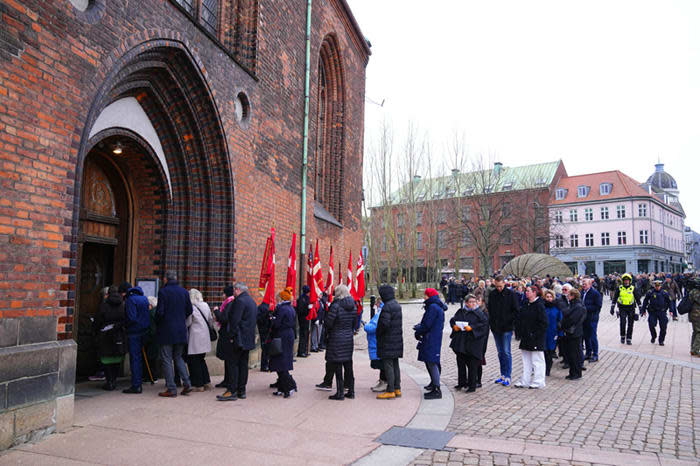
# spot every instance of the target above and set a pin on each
(199, 342)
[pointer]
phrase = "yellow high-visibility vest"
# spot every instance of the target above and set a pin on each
(626, 297)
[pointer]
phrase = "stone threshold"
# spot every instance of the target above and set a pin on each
(588, 455)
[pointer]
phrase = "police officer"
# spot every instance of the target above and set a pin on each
(658, 302)
(627, 298)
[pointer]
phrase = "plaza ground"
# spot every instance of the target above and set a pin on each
(634, 406)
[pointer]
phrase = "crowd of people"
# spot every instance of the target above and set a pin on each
(550, 318)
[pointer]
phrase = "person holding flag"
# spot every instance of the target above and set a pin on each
(359, 290)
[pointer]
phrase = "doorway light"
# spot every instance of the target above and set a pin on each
(117, 150)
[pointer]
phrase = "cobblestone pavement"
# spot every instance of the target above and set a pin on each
(637, 399)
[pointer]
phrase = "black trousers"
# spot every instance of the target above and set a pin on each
(111, 373)
(264, 357)
(237, 368)
(468, 370)
(303, 337)
(626, 322)
(572, 351)
(328, 377)
(343, 381)
(393, 374)
(662, 319)
(199, 372)
(548, 360)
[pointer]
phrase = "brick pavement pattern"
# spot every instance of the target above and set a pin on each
(636, 399)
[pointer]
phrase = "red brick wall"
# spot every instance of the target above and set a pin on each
(52, 75)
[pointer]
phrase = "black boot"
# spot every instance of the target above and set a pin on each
(338, 396)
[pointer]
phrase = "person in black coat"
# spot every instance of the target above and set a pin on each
(110, 322)
(532, 325)
(174, 306)
(468, 342)
(302, 309)
(572, 325)
(502, 305)
(340, 321)
(263, 322)
(238, 320)
(282, 322)
(592, 301)
(390, 341)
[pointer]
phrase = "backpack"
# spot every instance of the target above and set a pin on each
(685, 306)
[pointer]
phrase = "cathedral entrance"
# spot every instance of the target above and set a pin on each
(108, 238)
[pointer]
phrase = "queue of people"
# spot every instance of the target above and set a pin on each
(543, 314)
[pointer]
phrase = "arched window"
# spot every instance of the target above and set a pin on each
(206, 12)
(330, 129)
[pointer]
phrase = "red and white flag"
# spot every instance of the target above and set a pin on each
(360, 274)
(292, 267)
(317, 273)
(267, 279)
(350, 279)
(313, 296)
(330, 282)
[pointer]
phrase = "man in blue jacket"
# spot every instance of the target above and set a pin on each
(592, 301)
(138, 320)
(174, 306)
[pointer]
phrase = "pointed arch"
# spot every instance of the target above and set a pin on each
(330, 128)
(196, 238)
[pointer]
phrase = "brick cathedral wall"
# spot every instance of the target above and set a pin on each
(50, 72)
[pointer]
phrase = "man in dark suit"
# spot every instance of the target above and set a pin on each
(173, 308)
(592, 301)
(239, 318)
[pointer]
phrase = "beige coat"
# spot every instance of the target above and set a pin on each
(198, 331)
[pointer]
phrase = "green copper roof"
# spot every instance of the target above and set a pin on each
(496, 179)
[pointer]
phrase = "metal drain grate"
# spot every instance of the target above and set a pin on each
(416, 438)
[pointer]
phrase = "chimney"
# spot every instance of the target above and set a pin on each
(455, 171)
(416, 178)
(497, 167)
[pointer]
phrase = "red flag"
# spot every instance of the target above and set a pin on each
(292, 266)
(330, 282)
(350, 281)
(317, 273)
(269, 297)
(360, 273)
(265, 266)
(313, 295)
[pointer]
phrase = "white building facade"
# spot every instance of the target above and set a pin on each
(606, 222)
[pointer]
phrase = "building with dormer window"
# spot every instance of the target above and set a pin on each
(627, 226)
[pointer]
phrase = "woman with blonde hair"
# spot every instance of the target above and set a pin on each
(199, 342)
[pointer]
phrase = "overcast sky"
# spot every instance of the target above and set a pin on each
(603, 85)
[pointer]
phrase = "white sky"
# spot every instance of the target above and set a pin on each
(601, 84)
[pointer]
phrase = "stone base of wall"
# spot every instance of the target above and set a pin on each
(37, 383)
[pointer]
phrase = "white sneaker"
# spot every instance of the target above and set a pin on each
(519, 385)
(379, 387)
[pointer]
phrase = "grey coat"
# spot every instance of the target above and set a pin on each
(198, 331)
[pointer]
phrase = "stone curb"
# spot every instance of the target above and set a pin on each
(433, 414)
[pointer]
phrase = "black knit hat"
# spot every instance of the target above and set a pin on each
(228, 290)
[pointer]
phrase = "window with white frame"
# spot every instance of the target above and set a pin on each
(573, 215)
(621, 211)
(419, 217)
(605, 188)
(621, 237)
(399, 220)
(573, 241)
(605, 239)
(589, 239)
(560, 194)
(558, 217)
(642, 210)
(588, 214)
(604, 213)
(644, 237)
(442, 216)
(419, 241)
(558, 241)
(582, 191)
(442, 239)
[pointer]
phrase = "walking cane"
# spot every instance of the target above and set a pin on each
(148, 367)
